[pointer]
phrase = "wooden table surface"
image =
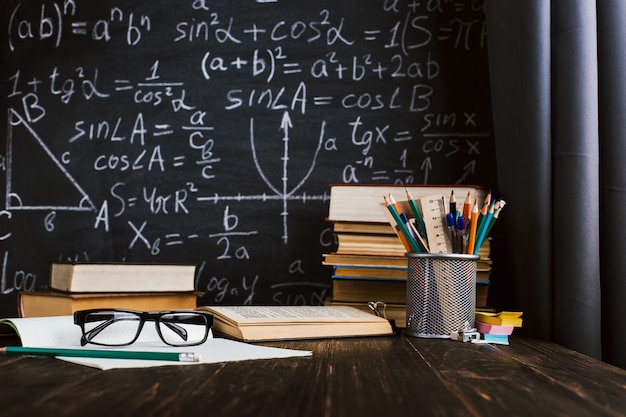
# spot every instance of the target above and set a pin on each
(375, 376)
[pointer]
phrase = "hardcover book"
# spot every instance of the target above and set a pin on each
(365, 260)
(365, 290)
(363, 227)
(121, 277)
(358, 244)
(56, 303)
(363, 272)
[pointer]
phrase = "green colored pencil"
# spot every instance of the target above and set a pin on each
(421, 227)
(403, 229)
(97, 353)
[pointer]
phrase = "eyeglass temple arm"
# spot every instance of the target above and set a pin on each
(180, 331)
(90, 334)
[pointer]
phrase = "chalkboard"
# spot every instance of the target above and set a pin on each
(208, 131)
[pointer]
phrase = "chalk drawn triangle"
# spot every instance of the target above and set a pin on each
(36, 179)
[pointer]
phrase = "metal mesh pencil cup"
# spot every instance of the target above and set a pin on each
(440, 294)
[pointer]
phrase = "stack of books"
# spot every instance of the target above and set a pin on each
(369, 263)
(497, 327)
(82, 286)
(483, 274)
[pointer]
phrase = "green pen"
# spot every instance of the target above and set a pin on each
(98, 353)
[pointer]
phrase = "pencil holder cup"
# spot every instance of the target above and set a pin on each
(440, 294)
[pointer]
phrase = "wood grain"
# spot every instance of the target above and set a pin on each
(378, 376)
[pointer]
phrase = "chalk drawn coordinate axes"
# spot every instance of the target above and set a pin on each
(283, 192)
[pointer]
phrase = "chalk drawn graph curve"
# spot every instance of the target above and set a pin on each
(285, 195)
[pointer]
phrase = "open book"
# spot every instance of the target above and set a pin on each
(60, 332)
(255, 323)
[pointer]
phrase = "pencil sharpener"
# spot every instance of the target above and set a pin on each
(465, 335)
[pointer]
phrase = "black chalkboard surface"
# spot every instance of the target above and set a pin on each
(208, 132)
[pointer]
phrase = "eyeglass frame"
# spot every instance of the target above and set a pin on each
(144, 316)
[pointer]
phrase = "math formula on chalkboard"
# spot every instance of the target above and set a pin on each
(208, 132)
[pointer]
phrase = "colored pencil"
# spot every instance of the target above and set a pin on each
(419, 220)
(467, 207)
(98, 353)
(496, 215)
(413, 246)
(472, 228)
(482, 229)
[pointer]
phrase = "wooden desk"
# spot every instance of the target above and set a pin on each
(377, 377)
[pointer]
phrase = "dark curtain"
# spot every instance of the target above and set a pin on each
(558, 76)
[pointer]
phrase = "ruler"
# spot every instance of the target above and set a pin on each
(434, 213)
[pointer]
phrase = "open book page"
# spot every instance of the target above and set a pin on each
(290, 314)
(61, 332)
(45, 331)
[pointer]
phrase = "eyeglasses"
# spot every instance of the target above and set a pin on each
(116, 327)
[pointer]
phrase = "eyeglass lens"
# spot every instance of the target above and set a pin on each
(182, 328)
(117, 328)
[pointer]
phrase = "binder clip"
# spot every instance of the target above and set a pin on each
(375, 307)
(465, 334)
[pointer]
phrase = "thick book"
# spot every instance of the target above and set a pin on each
(365, 260)
(365, 272)
(56, 303)
(361, 202)
(390, 272)
(484, 264)
(363, 227)
(389, 291)
(365, 290)
(482, 293)
(483, 275)
(384, 261)
(369, 244)
(257, 323)
(121, 277)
